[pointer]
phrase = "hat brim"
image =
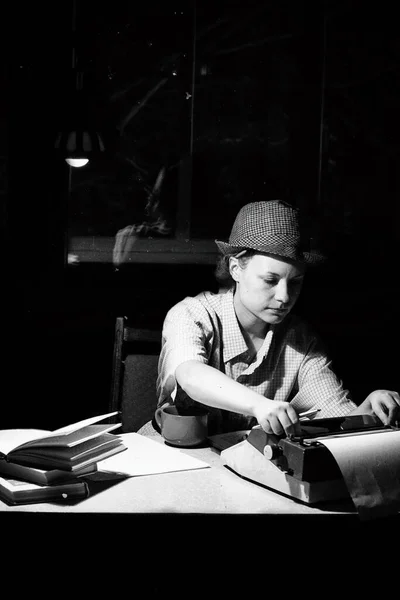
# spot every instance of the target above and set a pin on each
(311, 258)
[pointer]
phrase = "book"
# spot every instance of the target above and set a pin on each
(69, 448)
(15, 491)
(42, 476)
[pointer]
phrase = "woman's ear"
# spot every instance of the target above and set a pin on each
(234, 268)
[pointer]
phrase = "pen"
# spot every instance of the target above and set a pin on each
(303, 416)
(308, 414)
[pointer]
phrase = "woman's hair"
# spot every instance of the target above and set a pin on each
(222, 274)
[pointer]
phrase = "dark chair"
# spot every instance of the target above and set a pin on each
(134, 374)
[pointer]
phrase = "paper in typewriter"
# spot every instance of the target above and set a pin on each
(370, 465)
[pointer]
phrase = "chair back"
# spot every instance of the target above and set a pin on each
(134, 374)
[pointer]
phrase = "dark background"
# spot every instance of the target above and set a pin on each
(58, 321)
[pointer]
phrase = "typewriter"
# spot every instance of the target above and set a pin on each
(299, 466)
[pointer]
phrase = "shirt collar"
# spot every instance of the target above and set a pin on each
(232, 337)
(233, 340)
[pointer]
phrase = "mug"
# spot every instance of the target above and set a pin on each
(182, 429)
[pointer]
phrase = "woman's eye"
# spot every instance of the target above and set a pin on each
(292, 283)
(295, 285)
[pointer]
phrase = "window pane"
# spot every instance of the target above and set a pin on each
(248, 110)
(136, 63)
(202, 111)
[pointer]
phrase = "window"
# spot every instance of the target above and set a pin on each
(201, 113)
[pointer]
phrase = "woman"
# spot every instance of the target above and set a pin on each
(241, 352)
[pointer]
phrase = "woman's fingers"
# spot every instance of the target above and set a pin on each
(282, 420)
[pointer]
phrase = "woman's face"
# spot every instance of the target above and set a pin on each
(266, 288)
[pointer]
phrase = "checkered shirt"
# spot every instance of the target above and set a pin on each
(290, 366)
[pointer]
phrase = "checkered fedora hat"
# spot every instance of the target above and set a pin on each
(271, 226)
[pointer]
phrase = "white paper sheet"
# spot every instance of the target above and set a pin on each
(370, 465)
(148, 457)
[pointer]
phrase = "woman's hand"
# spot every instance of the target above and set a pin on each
(385, 404)
(277, 417)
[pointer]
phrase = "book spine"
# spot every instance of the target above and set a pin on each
(87, 490)
(83, 492)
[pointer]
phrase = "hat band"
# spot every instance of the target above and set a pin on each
(296, 246)
(294, 250)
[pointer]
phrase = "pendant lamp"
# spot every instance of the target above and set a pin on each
(79, 140)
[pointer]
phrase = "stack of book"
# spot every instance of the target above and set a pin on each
(47, 466)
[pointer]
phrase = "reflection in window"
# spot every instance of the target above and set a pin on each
(199, 116)
(140, 72)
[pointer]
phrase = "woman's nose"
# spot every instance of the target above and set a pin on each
(282, 293)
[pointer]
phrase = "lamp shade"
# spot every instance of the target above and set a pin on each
(79, 143)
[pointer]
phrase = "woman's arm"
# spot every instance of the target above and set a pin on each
(213, 388)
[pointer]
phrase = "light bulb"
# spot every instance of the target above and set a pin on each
(77, 162)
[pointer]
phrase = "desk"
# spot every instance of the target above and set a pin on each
(197, 515)
(215, 490)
